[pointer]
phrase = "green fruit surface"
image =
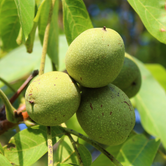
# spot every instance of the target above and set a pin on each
(52, 98)
(129, 78)
(95, 57)
(106, 114)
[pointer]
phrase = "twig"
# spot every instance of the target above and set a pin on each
(45, 41)
(50, 147)
(15, 96)
(76, 150)
(6, 125)
(93, 143)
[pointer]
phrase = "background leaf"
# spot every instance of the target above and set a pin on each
(66, 154)
(138, 151)
(150, 102)
(27, 146)
(9, 24)
(4, 161)
(75, 18)
(26, 12)
(1, 149)
(18, 63)
(158, 72)
(152, 14)
(53, 41)
(64, 164)
(114, 150)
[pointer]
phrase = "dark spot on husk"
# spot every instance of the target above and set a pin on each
(81, 78)
(110, 113)
(104, 28)
(91, 106)
(31, 102)
(101, 105)
(133, 83)
(102, 114)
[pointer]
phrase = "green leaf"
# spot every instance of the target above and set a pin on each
(27, 146)
(4, 161)
(1, 149)
(75, 18)
(9, 24)
(114, 150)
(18, 63)
(63, 164)
(31, 37)
(138, 151)
(53, 41)
(66, 153)
(26, 12)
(152, 14)
(150, 102)
(158, 72)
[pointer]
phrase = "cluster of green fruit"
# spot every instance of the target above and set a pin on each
(97, 65)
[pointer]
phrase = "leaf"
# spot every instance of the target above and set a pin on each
(27, 146)
(152, 14)
(138, 151)
(150, 102)
(1, 149)
(18, 63)
(158, 72)
(75, 18)
(26, 12)
(114, 150)
(66, 153)
(63, 164)
(53, 42)
(9, 24)
(31, 37)
(4, 161)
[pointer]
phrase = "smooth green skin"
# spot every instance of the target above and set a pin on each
(106, 114)
(52, 98)
(129, 78)
(95, 57)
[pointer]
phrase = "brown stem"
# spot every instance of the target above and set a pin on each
(6, 125)
(15, 96)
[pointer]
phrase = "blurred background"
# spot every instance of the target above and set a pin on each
(118, 15)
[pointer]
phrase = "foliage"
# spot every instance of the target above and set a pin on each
(23, 24)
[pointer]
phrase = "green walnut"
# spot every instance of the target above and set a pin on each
(52, 98)
(106, 114)
(129, 78)
(95, 57)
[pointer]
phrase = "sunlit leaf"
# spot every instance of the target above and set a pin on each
(114, 150)
(1, 149)
(150, 102)
(158, 72)
(75, 18)
(4, 161)
(26, 12)
(30, 144)
(138, 151)
(53, 41)
(18, 63)
(9, 24)
(152, 14)
(66, 153)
